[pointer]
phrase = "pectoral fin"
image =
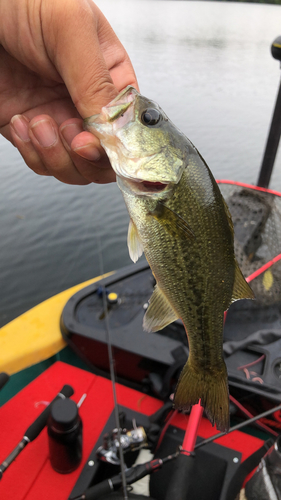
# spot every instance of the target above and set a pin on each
(159, 313)
(241, 289)
(134, 244)
(172, 221)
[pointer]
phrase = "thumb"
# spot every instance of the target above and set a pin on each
(83, 48)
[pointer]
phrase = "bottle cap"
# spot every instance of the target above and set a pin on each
(64, 415)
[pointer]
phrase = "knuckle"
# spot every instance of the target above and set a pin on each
(35, 163)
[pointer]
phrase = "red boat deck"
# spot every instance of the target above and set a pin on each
(31, 476)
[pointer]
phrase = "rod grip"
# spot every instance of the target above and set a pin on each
(38, 425)
(98, 490)
(4, 377)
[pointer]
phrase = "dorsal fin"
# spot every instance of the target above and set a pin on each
(159, 313)
(134, 244)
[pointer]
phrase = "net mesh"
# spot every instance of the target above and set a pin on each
(256, 218)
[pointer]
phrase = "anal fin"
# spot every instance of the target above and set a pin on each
(159, 313)
(241, 289)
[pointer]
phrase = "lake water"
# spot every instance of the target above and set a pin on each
(208, 65)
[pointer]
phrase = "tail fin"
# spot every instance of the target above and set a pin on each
(211, 387)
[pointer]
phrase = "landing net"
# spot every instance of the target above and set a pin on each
(256, 215)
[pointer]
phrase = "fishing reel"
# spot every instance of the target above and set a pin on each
(132, 440)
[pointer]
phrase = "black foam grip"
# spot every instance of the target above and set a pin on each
(98, 490)
(4, 377)
(182, 478)
(38, 425)
(67, 391)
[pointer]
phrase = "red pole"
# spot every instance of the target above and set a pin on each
(189, 440)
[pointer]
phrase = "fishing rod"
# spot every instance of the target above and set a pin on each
(34, 429)
(275, 128)
(185, 460)
(132, 474)
(238, 426)
(113, 378)
(182, 477)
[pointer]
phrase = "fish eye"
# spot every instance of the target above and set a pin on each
(151, 117)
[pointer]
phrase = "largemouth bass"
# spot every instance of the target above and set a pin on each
(180, 220)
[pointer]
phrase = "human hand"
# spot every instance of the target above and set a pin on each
(60, 61)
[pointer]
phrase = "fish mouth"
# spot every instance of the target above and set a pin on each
(154, 186)
(143, 187)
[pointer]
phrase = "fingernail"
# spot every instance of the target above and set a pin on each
(70, 131)
(45, 133)
(89, 152)
(20, 125)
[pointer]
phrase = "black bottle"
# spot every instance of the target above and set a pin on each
(65, 436)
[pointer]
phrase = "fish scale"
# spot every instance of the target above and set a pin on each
(179, 219)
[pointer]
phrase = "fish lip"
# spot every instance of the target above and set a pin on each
(127, 98)
(127, 90)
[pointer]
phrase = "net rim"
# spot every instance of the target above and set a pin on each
(250, 186)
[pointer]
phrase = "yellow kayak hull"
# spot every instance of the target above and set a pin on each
(35, 335)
